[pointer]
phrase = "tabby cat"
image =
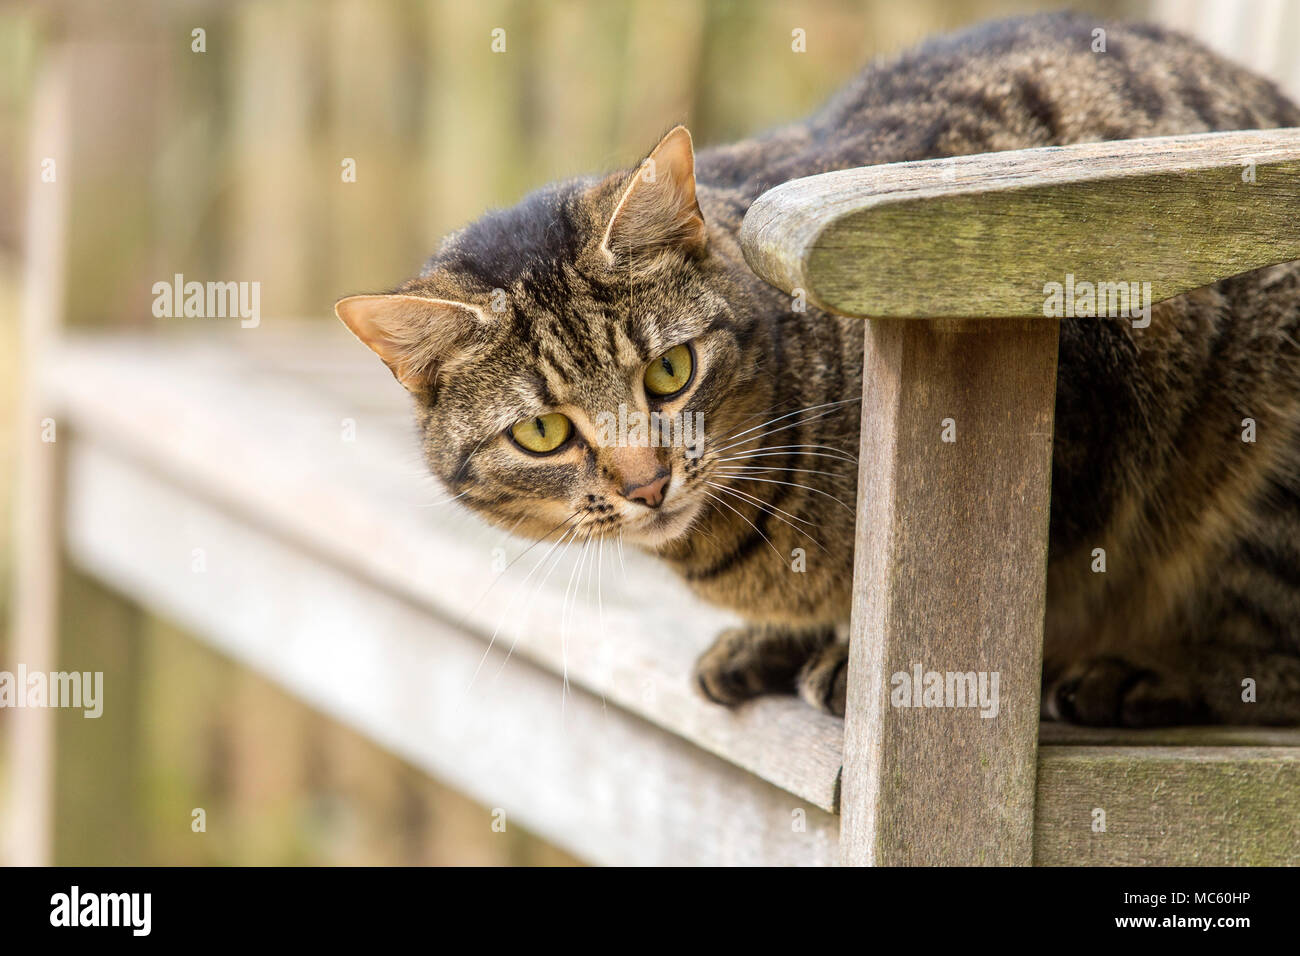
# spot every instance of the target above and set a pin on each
(630, 290)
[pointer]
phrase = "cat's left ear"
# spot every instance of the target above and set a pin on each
(658, 209)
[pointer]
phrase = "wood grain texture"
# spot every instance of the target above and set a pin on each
(1051, 733)
(980, 236)
(251, 419)
(950, 576)
(1168, 806)
(594, 779)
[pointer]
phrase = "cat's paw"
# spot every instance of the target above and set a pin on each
(824, 680)
(745, 662)
(1112, 692)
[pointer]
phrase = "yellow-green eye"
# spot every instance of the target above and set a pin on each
(542, 434)
(670, 372)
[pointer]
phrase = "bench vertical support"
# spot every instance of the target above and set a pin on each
(950, 576)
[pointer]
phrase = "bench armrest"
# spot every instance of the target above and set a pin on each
(979, 236)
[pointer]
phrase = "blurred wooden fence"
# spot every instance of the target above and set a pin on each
(226, 164)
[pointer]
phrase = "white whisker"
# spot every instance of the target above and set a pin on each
(572, 535)
(797, 411)
(774, 431)
(772, 508)
(725, 504)
(742, 469)
(506, 570)
(564, 627)
(795, 484)
(445, 501)
(502, 619)
(783, 451)
(754, 499)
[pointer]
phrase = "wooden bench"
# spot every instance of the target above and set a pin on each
(284, 456)
(948, 260)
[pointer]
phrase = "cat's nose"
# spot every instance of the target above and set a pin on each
(651, 494)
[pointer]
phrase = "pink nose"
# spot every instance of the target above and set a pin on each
(651, 494)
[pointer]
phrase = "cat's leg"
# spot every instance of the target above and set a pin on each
(1221, 685)
(747, 661)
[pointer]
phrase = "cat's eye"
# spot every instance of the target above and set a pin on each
(543, 434)
(671, 372)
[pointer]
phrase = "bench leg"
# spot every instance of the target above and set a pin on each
(950, 577)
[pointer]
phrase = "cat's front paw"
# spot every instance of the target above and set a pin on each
(824, 680)
(1113, 692)
(745, 662)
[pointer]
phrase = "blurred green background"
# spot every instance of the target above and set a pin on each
(226, 163)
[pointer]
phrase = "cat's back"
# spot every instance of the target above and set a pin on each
(1046, 80)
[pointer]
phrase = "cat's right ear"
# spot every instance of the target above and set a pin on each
(414, 335)
(658, 208)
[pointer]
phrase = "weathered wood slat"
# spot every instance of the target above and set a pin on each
(1168, 806)
(252, 429)
(950, 558)
(1055, 734)
(980, 236)
(594, 779)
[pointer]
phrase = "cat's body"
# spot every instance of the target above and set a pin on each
(556, 306)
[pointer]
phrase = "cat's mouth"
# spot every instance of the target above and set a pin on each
(664, 524)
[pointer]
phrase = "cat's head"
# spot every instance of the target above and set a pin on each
(540, 339)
